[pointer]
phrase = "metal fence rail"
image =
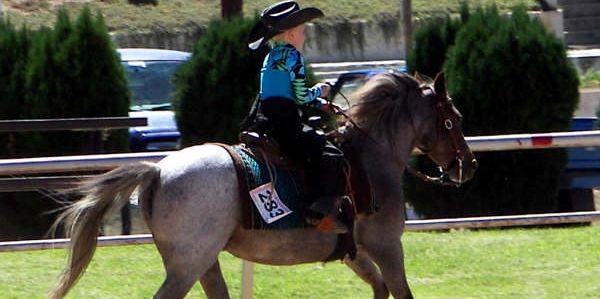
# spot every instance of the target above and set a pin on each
(78, 124)
(109, 161)
(411, 225)
(73, 163)
(19, 184)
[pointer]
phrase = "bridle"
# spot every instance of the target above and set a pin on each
(447, 118)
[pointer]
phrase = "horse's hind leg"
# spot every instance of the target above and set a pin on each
(185, 268)
(368, 272)
(176, 285)
(213, 283)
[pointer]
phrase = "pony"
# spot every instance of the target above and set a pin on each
(190, 201)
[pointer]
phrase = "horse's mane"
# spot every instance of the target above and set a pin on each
(381, 102)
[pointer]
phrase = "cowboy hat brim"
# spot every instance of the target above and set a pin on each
(260, 33)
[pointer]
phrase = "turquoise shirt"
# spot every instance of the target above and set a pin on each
(283, 75)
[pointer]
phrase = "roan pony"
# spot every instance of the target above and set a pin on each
(191, 204)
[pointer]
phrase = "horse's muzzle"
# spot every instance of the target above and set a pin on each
(462, 171)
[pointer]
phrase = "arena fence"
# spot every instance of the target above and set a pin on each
(19, 167)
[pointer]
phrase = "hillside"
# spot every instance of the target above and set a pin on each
(177, 15)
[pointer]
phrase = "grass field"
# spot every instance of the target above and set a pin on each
(512, 263)
(590, 79)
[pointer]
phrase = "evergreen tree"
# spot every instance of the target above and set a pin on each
(75, 72)
(100, 86)
(432, 40)
(214, 90)
(506, 75)
(71, 71)
(14, 50)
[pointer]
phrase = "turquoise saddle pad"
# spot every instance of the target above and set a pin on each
(286, 187)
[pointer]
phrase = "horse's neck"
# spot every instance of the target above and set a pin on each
(383, 167)
(371, 149)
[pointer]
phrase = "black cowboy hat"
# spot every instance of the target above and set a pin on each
(277, 18)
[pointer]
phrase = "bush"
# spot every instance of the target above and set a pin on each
(214, 90)
(506, 75)
(14, 49)
(75, 72)
(433, 38)
(143, 2)
(70, 71)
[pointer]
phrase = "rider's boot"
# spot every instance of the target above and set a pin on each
(329, 208)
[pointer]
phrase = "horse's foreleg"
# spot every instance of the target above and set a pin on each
(368, 271)
(390, 259)
(213, 283)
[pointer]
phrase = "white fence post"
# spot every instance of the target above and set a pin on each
(247, 279)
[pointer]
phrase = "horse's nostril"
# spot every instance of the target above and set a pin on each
(474, 163)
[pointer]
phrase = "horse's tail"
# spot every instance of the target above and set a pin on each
(82, 219)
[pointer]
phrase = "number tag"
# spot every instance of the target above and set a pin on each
(268, 203)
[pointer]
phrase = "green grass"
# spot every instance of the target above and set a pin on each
(171, 15)
(591, 79)
(516, 263)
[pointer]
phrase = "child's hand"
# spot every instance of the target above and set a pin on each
(331, 108)
(324, 89)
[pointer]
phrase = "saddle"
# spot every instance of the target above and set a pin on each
(266, 148)
(259, 163)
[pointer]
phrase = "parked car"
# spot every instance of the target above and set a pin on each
(582, 173)
(150, 73)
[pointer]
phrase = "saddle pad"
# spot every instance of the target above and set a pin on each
(286, 185)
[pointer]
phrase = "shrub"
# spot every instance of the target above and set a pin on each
(70, 71)
(433, 38)
(75, 72)
(143, 2)
(14, 49)
(214, 90)
(506, 75)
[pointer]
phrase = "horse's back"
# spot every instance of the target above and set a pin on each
(197, 205)
(197, 196)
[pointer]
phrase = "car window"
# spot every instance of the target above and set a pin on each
(151, 83)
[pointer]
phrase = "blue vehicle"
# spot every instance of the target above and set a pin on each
(582, 173)
(150, 73)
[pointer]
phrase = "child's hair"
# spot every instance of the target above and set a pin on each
(277, 38)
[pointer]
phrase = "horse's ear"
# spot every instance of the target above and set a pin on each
(440, 83)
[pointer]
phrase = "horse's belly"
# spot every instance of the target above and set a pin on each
(281, 247)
